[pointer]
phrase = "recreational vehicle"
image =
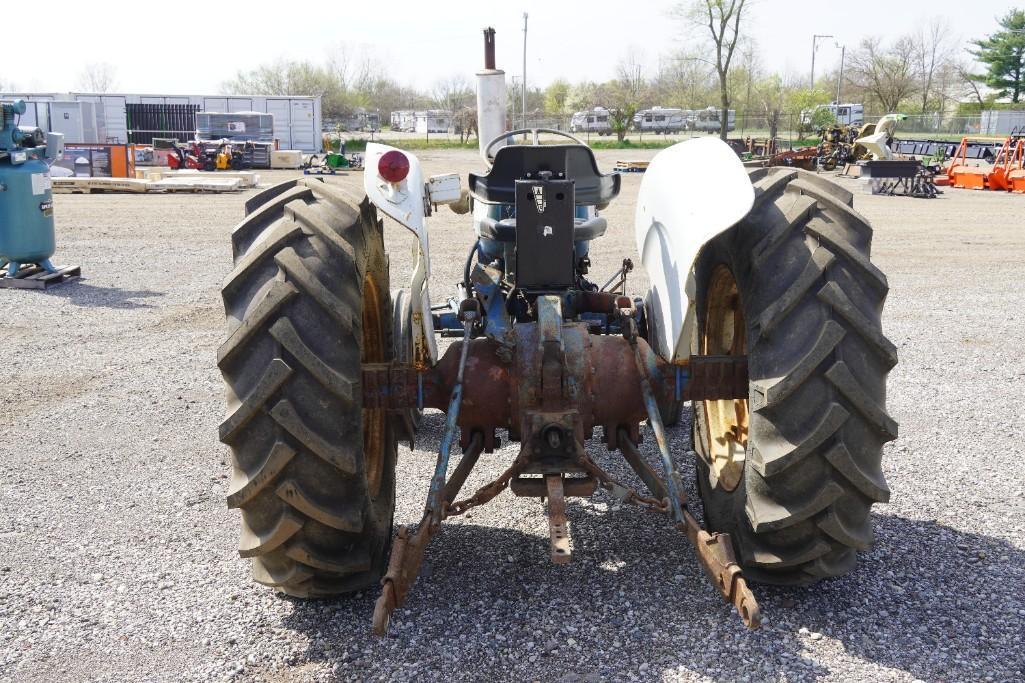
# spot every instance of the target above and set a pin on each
(660, 120)
(593, 121)
(709, 120)
(847, 114)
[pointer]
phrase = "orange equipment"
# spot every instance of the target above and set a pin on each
(1003, 164)
(960, 174)
(1015, 173)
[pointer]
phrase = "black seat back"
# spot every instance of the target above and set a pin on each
(526, 162)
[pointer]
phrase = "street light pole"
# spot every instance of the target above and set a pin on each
(814, 47)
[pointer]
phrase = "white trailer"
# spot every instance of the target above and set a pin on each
(403, 121)
(593, 121)
(710, 120)
(660, 120)
(433, 121)
(847, 114)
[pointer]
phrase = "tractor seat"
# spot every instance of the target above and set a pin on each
(584, 229)
(525, 162)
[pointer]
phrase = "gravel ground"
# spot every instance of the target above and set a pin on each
(117, 553)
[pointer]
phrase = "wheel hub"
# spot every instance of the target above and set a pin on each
(722, 426)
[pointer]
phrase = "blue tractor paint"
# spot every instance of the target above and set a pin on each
(26, 199)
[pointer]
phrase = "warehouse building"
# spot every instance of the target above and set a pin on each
(122, 118)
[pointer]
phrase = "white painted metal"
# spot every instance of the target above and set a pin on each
(491, 103)
(404, 202)
(305, 131)
(690, 193)
(282, 121)
(112, 126)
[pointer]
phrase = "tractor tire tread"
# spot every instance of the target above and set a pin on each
(818, 361)
(292, 363)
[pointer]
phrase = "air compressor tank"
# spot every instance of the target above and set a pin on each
(26, 198)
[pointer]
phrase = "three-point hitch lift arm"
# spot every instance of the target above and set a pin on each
(550, 389)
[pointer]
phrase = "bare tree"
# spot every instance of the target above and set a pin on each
(98, 77)
(885, 73)
(971, 81)
(453, 93)
(934, 51)
(722, 19)
(688, 82)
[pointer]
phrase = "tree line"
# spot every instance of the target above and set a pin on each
(923, 72)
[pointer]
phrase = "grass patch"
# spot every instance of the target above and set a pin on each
(631, 144)
(360, 144)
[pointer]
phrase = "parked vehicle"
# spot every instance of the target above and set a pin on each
(660, 120)
(593, 121)
(844, 114)
(708, 120)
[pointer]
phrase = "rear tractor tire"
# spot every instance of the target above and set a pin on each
(314, 473)
(793, 471)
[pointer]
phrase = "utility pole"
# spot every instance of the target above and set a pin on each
(523, 85)
(814, 47)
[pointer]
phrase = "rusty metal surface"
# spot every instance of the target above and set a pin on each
(716, 554)
(409, 547)
(641, 467)
(558, 526)
(550, 384)
(716, 377)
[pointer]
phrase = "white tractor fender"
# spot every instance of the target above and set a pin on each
(690, 193)
(404, 201)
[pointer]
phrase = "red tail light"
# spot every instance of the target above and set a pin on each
(393, 166)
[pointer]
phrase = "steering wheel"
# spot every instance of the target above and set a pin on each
(535, 132)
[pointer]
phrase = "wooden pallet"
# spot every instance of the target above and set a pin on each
(631, 166)
(35, 277)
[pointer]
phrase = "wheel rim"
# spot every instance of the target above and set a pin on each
(724, 427)
(373, 352)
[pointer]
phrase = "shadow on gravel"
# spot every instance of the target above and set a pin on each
(934, 602)
(82, 294)
(938, 603)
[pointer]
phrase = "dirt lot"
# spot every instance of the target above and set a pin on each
(117, 553)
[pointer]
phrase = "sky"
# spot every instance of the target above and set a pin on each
(158, 51)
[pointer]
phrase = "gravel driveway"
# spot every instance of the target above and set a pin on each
(117, 553)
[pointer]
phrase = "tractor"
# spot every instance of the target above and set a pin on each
(763, 315)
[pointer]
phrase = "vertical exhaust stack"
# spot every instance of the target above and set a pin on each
(491, 97)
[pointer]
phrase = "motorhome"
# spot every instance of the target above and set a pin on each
(709, 120)
(847, 114)
(660, 120)
(593, 121)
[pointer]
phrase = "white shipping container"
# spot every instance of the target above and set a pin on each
(1002, 122)
(297, 120)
